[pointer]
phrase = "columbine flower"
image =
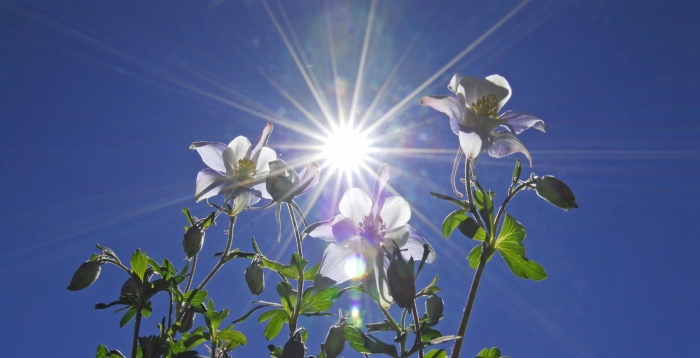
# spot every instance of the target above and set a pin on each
(364, 230)
(473, 112)
(237, 171)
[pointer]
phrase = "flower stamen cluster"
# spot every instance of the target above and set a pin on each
(487, 106)
(373, 229)
(244, 170)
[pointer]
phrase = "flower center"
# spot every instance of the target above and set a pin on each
(487, 106)
(372, 229)
(244, 171)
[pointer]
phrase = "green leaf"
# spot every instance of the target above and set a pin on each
(139, 263)
(194, 297)
(128, 315)
(286, 271)
(264, 304)
(452, 200)
(489, 353)
(452, 220)
(436, 353)
(277, 318)
(510, 246)
(428, 334)
(471, 229)
(310, 274)
(354, 336)
(275, 351)
(298, 264)
(319, 301)
(186, 211)
(230, 335)
(475, 256)
(380, 326)
(484, 202)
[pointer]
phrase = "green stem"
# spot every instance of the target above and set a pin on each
(223, 259)
(137, 324)
(300, 281)
(194, 266)
(472, 207)
(417, 326)
(502, 209)
(391, 320)
(470, 303)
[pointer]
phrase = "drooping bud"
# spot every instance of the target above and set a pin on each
(294, 348)
(281, 181)
(434, 307)
(131, 287)
(335, 341)
(255, 279)
(401, 280)
(555, 192)
(85, 275)
(193, 241)
(187, 320)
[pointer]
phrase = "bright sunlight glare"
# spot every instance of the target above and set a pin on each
(345, 149)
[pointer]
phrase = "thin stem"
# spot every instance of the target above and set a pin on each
(391, 320)
(502, 209)
(417, 326)
(137, 324)
(300, 281)
(470, 303)
(222, 261)
(472, 207)
(194, 266)
(119, 264)
(170, 310)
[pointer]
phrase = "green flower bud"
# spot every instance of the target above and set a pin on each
(193, 241)
(335, 341)
(555, 192)
(131, 287)
(85, 275)
(187, 320)
(282, 181)
(294, 348)
(255, 279)
(401, 281)
(434, 307)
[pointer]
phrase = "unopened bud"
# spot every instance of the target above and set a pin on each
(255, 279)
(556, 192)
(131, 287)
(294, 348)
(85, 275)
(401, 281)
(281, 181)
(193, 241)
(335, 341)
(187, 320)
(434, 307)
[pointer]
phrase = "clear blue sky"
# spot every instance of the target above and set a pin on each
(99, 102)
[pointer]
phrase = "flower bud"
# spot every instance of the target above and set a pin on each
(335, 341)
(255, 279)
(401, 281)
(281, 182)
(294, 348)
(131, 287)
(193, 241)
(187, 320)
(555, 192)
(85, 275)
(434, 307)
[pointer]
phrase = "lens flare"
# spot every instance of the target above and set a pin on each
(354, 267)
(345, 149)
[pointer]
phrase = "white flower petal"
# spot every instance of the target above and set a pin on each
(470, 144)
(496, 85)
(240, 146)
(467, 90)
(262, 188)
(375, 283)
(506, 143)
(449, 105)
(454, 83)
(254, 152)
(209, 183)
(266, 155)
(211, 154)
(379, 192)
(414, 247)
(355, 204)
(309, 177)
(396, 212)
(242, 201)
(397, 236)
(321, 230)
(333, 266)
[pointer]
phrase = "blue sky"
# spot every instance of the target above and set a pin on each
(100, 101)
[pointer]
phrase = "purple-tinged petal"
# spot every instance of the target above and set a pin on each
(375, 283)
(396, 236)
(211, 154)
(496, 85)
(414, 246)
(309, 177)
(343, 230)
(517, 122)
(470, 144)
(379, 192)
(243, 200)
(209, 183)
(455, 166)
(449, 105)
(262, 188)
(265, 156)
(255, 151)
(355, 204)
(322, 230)
(454, 82)
(332, 269)
(506, 143)
(395, 212)
(467, 90)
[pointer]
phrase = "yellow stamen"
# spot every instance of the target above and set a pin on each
(487, 106)
(244, 171)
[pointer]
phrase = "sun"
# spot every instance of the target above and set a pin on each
(345, 149)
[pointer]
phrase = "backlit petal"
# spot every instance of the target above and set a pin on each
(265, 156)
(211, 154)
(243, 200)
(470, 144)
(506, 143)
(454, 83)
(414, 246)
(322, 230)
(255, 151)
(395, 212)
(449, 105)
(496, 85)
(332, 269)
(517, 122)
(355, 204)
(209, 183)
(379, 191)
(397, 236)
(343, 230)
(467, 90)
(309, 177)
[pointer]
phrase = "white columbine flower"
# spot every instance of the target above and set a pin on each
(237, 171)
(473, 112)
(365, 228)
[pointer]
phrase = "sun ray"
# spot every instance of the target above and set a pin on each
(322, 105)
(399, 106)
(334, 64)
(361, 70)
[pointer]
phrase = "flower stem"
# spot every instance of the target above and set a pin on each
(470, 303)
(189, 280)
(222, 261)
(137, 325)
(300, 281)
(417, 326)
(472, 207)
